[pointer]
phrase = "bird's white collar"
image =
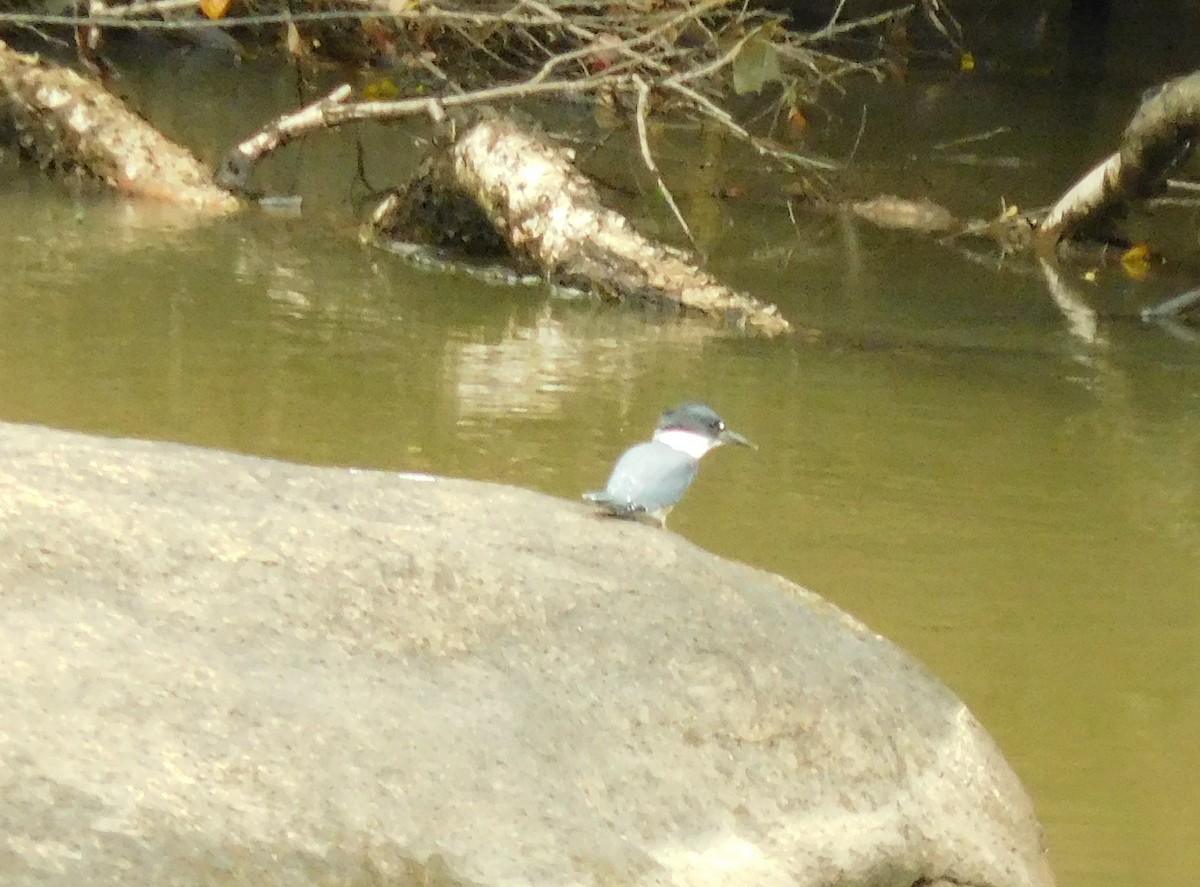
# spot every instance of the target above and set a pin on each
(689, 442)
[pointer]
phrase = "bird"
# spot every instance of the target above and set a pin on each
(651, 477)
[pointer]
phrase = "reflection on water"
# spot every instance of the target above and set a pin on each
(1013, 500)
(526, 371)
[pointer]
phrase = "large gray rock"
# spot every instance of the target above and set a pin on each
(217, 669)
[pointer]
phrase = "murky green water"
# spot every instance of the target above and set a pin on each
(1012, 496)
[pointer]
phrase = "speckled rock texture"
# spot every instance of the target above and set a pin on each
(217, 669)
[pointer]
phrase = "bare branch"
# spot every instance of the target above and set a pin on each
(723, 117)
(643, 92)
(835, 30)
(716, 64)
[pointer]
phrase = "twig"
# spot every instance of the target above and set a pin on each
(719, 114)
(393, 109)
(151, 7)
(862, 127)
(332, 111)
(128, 17)
(871, 21)
(716, 64)
(807, 55)
(837, 13)
(237, 166)
(968, 139)
(643, 91)
(625, 46)
(934, 10)
(1174, 305)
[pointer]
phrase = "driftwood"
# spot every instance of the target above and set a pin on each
(65, 121)
(552, 218)
(1159, 136)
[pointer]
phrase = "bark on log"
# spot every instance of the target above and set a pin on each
(74, 125)
(552, 218)
(1161, 133)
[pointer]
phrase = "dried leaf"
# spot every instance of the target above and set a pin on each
(293, 41)
(215, 9)
(602, 52)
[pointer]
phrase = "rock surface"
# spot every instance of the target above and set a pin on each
(216, 669)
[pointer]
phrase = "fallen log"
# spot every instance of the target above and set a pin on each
(74, 125)
(553, 221)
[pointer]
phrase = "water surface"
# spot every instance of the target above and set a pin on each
(1010, 494)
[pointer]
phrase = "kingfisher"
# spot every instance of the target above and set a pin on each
(651, 477)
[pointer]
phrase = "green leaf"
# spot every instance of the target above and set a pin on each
(756, 65)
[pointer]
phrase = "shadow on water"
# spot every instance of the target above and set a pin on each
(1015, 503)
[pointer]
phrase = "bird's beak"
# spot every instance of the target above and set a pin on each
(728, 436)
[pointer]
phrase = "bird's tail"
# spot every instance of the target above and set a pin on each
(609, 505)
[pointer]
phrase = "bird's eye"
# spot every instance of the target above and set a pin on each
(720, 426)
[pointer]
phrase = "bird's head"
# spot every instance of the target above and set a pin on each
(695, 428)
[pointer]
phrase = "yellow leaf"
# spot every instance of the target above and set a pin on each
(1136, 260)
(1090, 275)
(381, 90)
(215, 9)
(966, 61)
(1010, 212)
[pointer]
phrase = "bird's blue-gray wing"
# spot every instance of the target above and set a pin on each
(649, 477)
